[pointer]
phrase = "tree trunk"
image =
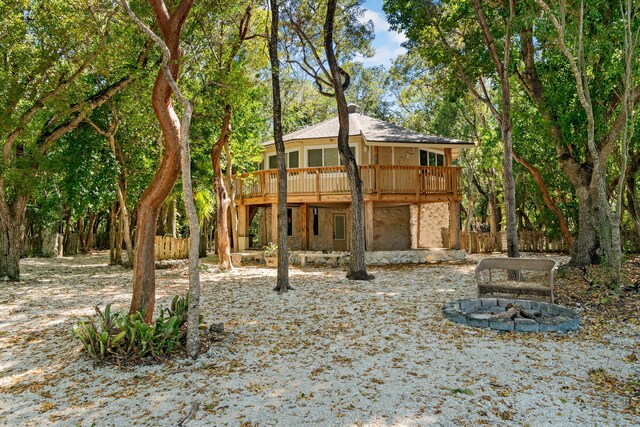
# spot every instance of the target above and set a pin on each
(170, 222)
(537, 176)
(119, 238)
(509, 191)
(91, 221)
(282, 282)
(12, 224)
(357, 266)
(222, 197)
(469, 218)
(161, 228)
(113, 239)
(495, 215)
(144, 274)
(124, 229)
(232, 205)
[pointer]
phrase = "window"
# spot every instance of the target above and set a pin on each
(314, 158)
(316, 222)
(291, 160)
(427, 158)
(289, 222)
(329, 156)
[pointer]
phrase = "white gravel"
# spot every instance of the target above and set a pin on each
(329, 353)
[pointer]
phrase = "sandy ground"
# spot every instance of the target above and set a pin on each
(330, 353)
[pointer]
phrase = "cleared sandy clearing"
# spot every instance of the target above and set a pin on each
(331, 352)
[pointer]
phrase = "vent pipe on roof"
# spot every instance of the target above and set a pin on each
(351, 108)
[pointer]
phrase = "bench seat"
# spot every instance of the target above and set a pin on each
(541, 288)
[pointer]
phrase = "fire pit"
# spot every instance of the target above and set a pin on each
(504, 314)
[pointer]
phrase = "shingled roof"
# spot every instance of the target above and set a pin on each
(372, 130)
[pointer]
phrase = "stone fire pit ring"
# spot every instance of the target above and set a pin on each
(540, 316)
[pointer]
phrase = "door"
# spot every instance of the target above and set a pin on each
(339, 232)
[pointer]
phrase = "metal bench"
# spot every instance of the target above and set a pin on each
(500, 271)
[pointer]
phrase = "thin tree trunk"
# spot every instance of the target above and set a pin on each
(357, 265)
(504, 119)
(467, 223)
(119, 238)
(222, 197)
(495, 216)
(170, 222)
(114, 259)
(537, 176)
(193, 314)
(144, 275)
(161, 229)
(232, 205)
(124, 226)
(91, 221)
(282, 284)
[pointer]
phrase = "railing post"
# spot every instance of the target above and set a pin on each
(263, 183)
(418, 182)
(378, 180)
(318, 184)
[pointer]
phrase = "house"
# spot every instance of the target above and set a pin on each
(411, 190)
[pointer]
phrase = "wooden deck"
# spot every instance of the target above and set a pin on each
(330, 184)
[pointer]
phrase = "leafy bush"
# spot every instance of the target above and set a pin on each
(271, 250)
(127, 336)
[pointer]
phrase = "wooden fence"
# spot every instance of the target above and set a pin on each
(168, 247)
(528, 241)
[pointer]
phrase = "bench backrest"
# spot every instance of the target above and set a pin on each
(527, 264)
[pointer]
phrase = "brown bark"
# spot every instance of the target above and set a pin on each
(357, 265)
(144, 280)
(537, 176)
(504, 119)
(12, 228)
(88, 240)
(222, 197)
(113, 219)
(282, 281)
(586, 246)
(233, 211)
(162, 220)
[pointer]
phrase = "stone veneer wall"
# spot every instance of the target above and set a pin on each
(391, 229)
(433, 216)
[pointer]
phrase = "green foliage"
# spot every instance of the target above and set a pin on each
(126, 337)
(271, 249)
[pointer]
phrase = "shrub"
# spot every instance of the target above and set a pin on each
(121, 336)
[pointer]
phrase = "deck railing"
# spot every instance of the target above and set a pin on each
(376, 179)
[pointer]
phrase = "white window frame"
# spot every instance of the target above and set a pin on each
(286, 157)
(432, 152)
(322, 147)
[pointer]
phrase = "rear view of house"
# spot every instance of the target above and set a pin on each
(411, 190)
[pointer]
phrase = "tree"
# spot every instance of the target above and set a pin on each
(120, 230)
(442, 24)
(347, 38)
(170, 23)
(51, 78)
(340, 82)
(282, 284)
